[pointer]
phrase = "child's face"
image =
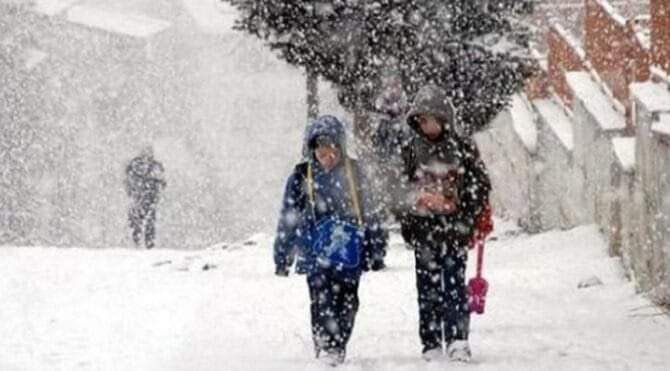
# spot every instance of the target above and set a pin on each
(328, 155)
(429, 126)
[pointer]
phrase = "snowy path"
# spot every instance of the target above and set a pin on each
(74, 309)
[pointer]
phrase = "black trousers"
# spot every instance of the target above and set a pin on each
(142, 220)
(444, 315)
(333, 306)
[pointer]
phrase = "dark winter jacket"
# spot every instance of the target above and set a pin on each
(332, 198)
(390, 137)
(388, 141)
(391, 132)
(453, 162)
(144, 178)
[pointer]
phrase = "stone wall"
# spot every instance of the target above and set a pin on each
(560, 185)
(510, 158)
(650, 251)
(615, 95)
(583, 168)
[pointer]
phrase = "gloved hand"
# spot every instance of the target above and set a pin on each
(485, 222)
(484, 226)
(281, 271)
(377, 265)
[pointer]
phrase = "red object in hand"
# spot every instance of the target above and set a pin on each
(483, 226)
(478, 286)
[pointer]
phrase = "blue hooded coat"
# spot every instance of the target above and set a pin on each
(332, 198)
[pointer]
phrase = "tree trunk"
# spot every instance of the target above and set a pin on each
(312, 96)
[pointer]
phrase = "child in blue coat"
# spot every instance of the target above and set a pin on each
(327, 187)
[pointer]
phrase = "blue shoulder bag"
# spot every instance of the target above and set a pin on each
(338, 244)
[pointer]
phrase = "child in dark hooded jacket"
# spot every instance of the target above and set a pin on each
(328, 185)
(447, 189)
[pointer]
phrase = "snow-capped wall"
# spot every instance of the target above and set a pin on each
(507, 148)
(535, 182)
(596, 122)
(612, 168)
(650, 252)
(560, 184)
(584, 169)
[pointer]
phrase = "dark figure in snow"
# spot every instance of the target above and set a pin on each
(329, 186)
(447, 189)
(389, 138)
(144, 182)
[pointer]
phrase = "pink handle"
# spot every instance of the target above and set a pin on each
(478, 286)
(479, 243)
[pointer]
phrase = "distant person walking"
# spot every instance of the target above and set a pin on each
(389, 140)
(144, 182)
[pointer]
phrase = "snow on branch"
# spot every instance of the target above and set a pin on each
(477, 51)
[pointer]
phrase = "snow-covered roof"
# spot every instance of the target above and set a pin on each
(523, 122)
(52, 7)
(655, 97)
(662, 126)
(624, 150)
(212, 16)
(558, 121)
(128, 24)
(595, 101)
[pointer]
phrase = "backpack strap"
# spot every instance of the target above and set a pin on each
(310, 184)
(353, 190)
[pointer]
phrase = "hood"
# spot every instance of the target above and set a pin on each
(328, 126)
(432, 100)
(392, 101)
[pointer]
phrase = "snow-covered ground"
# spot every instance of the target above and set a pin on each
(222, 309)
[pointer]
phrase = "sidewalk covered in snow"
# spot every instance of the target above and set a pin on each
(222, 309)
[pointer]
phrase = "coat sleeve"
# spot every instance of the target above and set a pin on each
(376, 235)
(292, 227)
(476, 186)
(404, 186)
